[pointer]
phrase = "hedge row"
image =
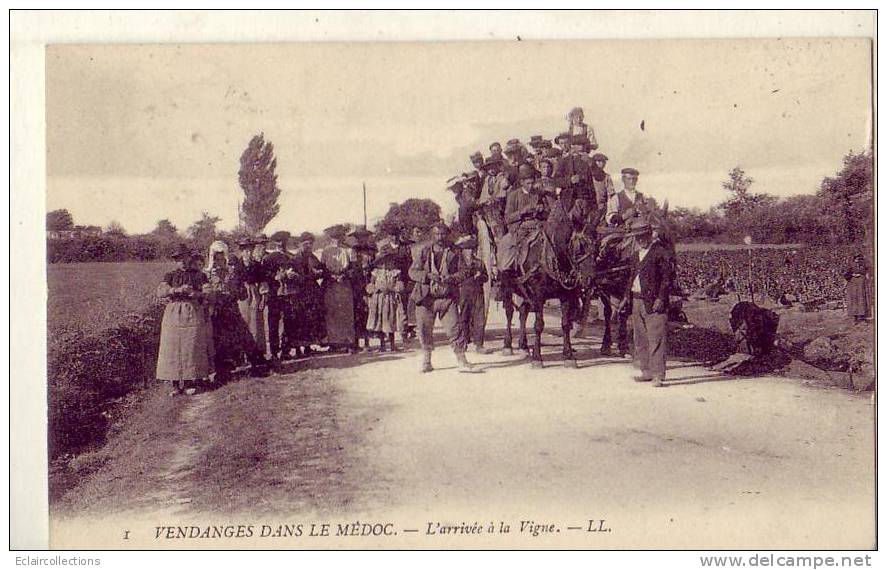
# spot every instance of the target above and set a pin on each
(110, 248)
(87, 374)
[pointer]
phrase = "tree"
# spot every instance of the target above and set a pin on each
(203, 231)
(413, 213)
(740, 200)
(259, 183)
(59, 220)
(851, 191)
(115, 229)
(165, 229)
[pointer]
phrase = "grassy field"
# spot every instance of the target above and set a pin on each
(735, 246)
(85, 298)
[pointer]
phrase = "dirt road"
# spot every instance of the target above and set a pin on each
(707, 462)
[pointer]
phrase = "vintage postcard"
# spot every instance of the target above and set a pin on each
(528, 294)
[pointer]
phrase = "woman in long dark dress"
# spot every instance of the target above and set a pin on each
(232, 340)
(252, 275)
(186, 352)
(307, 325)
(859, 292)
(365, 250)
(338, 295)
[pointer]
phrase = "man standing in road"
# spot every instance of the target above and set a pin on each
(472, 311)
(437, 270)
(650, 283)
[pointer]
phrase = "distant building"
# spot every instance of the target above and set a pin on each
(76, 232)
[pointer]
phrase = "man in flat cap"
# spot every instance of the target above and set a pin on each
(603, 184)
(627, 203)
(437, 271)
(650, 282)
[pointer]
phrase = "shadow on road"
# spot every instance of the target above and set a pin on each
(699, 379)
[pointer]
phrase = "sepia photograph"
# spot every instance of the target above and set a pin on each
(516, 293)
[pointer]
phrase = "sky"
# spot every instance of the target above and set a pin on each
(138, 133)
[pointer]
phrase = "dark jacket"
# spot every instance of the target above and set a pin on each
(656, 273)
(450, 268)
(274, 262)
(475, 277)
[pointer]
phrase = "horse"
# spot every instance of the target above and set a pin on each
(610, 288)
(611, 283)
(559, 264)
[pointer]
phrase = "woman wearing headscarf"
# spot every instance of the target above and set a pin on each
(232, 340)
(338, 295)
(186, 352)
(859, 293)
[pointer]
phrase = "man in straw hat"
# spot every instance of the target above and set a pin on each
(651, 278)
(437, 270)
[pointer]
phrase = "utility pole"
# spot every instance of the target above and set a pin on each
(364, 204)
(751, 287)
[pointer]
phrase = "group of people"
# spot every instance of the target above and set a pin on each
(258, 303)
(511, 194)
(230, 310)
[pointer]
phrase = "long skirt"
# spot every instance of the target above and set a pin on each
(186, 345)
(231, 337)
(858, 297)
(307, 318)
(254, 316)
(386, 314)
(361, 314)
(339, 303)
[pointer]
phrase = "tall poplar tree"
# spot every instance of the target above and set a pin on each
(259, 183)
